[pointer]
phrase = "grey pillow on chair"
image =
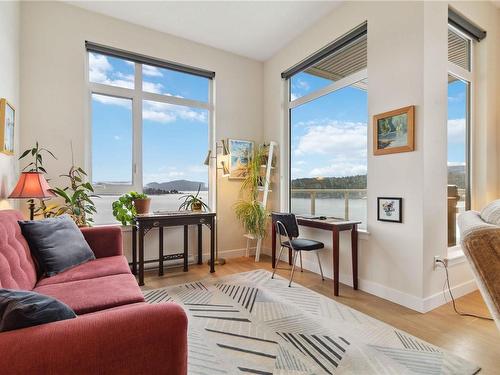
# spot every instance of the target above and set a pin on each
(491, 213)
(57, 243)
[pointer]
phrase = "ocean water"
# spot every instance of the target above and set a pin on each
(171, 202)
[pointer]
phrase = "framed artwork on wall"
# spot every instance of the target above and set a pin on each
(7, 124)
(390, 209)
(394, 131)
(240, 153)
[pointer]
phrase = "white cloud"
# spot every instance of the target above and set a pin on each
(293, 97)
(300, 162)
(117, 138)
(456, 163)
(151, 71)
(165, 113)
(339, 169)
(303, 85)
(101, 71)
(333, 137)
(126, 103)
(456, 130)
(155, 88)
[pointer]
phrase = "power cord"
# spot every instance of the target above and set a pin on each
(453, 299)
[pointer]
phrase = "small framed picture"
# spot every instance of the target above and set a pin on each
(390, 209)
(394, 131)
(7, 123)
(240, 154)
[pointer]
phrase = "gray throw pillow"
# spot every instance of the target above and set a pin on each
(21, 309)
(491, 213)
(57, 243)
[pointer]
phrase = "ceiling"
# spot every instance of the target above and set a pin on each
(254, 29)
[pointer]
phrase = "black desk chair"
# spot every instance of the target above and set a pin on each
(288, 231)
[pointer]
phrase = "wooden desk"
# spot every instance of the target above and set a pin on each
(144, 223)
(335, 226)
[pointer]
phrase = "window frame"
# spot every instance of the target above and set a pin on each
(286, 165)
(468, 77)
(137, 96)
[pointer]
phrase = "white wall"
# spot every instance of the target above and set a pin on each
(54, 92)
(9, 89)
(407, 64)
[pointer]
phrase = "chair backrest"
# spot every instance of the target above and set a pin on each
(289, 223)
(17, 267)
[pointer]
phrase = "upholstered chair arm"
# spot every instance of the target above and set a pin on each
(140, 339)
(105, 241)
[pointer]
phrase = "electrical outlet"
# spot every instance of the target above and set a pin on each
(436, 263)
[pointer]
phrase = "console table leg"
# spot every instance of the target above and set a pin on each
(160, 246)
(141, 256)
(354, 248)
(185, 248)
(335, 247)
(200, 244)
(134, 250)
(212, 246)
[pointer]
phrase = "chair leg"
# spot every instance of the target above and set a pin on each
(320, 268)
(293, 268)
(277, 261)
(301, 269)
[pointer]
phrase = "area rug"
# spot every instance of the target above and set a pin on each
(248, 323)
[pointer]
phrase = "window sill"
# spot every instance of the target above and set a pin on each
(455, 256)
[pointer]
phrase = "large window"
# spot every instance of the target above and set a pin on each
(459, 109)
(149, 131)
(328, 113)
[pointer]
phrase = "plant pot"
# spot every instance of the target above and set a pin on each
(196, 206)
(142, 205)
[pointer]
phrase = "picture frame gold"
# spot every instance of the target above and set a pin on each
(7, 127)
(394, 131)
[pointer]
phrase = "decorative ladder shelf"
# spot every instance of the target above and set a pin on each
(265, 193)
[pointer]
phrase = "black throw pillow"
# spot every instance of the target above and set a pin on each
(57, 243)
(21, 309)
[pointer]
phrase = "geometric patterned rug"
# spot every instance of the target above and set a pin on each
(248, 323)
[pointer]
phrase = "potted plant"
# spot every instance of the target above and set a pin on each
(193, 202)
(249, 211)
(77, 197)
(129, 205)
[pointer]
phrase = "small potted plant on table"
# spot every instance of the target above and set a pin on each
(129, 205)
(193, 202)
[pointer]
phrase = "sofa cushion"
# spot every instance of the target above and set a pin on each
(21, 309)
(491, 213)
(57, 243)
(95, 268)
(17, 268)
(100, 293)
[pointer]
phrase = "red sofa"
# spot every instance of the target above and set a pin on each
(115, 332)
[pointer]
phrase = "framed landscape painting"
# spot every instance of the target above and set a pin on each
(7, 123)
(394, 131)
(390, 209)
(240, 153)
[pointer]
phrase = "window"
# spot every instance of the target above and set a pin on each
(459, 109)
(327, 114)
(149, 131)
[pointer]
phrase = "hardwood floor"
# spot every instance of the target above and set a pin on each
(473, 339)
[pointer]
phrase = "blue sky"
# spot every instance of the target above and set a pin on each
(328, 137)
(174, 138)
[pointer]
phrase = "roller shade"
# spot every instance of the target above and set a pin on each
(138, 58)
(326, 62)
(465, 26)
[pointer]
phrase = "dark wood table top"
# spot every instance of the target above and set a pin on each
(173, 214)
(328, 223)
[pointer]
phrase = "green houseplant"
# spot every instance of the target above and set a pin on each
(249, 211)
(77, 197)
(193, 202)
(125, 208)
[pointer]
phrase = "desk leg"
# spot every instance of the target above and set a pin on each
(160, 248)
(134, 250)
(273, 246)
(335, 246)
(185, 248)
(141, 256)
(354, 249)
(212, 246)
(200, 244)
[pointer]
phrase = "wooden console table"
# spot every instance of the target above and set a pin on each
(144, 223)
(335, 226)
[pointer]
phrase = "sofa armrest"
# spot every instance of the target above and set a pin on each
(105, 241)
(141, 339)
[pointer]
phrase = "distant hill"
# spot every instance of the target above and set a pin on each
(349, 182)
(456, 175)
(179, 185)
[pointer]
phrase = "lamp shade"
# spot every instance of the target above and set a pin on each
(32, 185)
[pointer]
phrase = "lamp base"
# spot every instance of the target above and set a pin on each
(218, 261)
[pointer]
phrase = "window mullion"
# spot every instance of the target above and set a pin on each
(137, 126)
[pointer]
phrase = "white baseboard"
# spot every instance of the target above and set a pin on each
(436, 300)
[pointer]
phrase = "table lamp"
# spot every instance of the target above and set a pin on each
(31, 185)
